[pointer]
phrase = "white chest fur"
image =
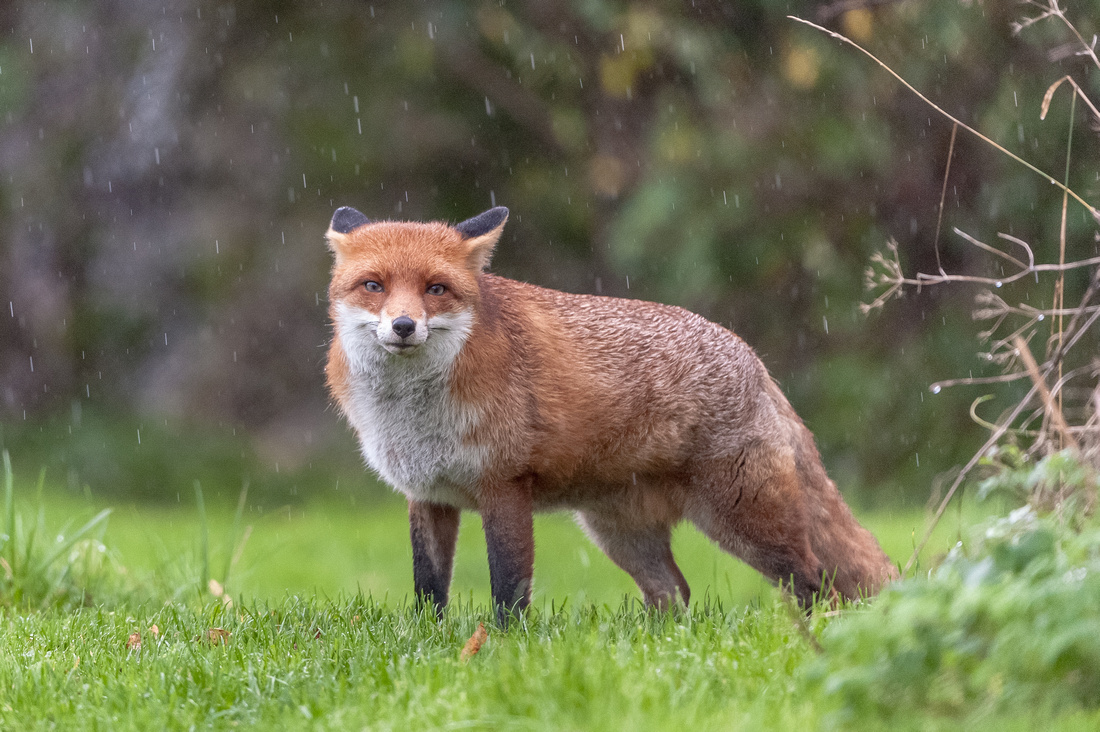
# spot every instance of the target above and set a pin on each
(411, 430)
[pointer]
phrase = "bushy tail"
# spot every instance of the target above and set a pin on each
(851, 557)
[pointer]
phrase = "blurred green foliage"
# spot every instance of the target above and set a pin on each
(1007, 622)
(169, 173)
(40, 569)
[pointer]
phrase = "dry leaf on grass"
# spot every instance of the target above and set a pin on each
(215, 636)
(134, 641)
(474, 644)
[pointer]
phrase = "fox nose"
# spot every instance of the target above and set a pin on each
(404, 326)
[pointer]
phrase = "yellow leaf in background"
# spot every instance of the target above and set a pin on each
(617, 74)
(802, 66)
(858, 24)
(498, 25)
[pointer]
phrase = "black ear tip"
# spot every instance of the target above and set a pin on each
(347, 219)
(483, 223)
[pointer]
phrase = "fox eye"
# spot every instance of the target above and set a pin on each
(436, 290)
(372, 286)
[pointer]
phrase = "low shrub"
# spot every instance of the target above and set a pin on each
(1011, 617)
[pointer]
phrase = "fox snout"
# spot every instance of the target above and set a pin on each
(403, 326)
(402, 334)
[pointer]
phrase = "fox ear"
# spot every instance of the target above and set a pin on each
(481, 234)
(344, 221)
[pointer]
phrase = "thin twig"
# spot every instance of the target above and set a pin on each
(970, 465)
(997, 252)
(1051, 10)
(840, 37)
(943, 197)
(1054, 409)
(1004, 426)
(1078, 92)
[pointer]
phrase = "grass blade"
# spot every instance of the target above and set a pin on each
(9, 512)
(232, 549)
(71, 540)
(204, 539)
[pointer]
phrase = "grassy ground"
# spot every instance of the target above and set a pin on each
(353, 664)
(350, 663)
(319, 636)
(347, 544)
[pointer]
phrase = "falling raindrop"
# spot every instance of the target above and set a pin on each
(1042, 316)
(998, 283)
(936, 389)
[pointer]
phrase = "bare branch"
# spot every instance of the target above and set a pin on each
(840, 37)
(1040, 383)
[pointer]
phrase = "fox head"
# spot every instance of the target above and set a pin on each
(403, 290)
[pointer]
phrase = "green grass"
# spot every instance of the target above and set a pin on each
(318, 635)
(354, 664)
(344, 543)
(351, 663)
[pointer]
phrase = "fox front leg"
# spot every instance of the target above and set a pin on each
(506, 513)
(434, 530)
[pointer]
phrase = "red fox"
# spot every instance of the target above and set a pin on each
(472, 391)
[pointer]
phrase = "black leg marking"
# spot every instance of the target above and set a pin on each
(510, 539)
(433, 529)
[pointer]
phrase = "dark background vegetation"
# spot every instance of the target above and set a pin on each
(167, 170)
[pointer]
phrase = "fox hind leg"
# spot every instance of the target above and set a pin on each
(752, 507)
(643, 552)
